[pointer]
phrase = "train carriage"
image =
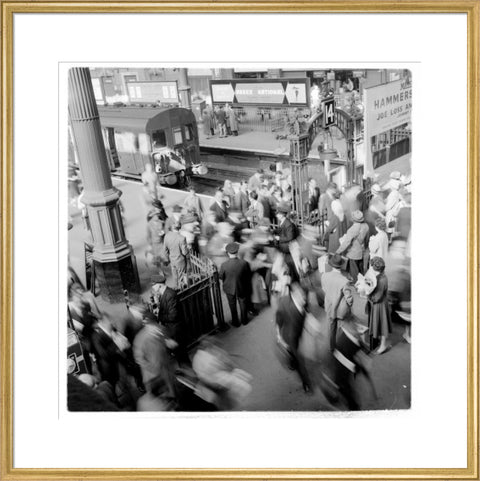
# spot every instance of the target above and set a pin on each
(135, 135)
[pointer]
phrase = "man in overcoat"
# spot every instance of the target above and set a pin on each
(177, 252)
(237, 278)
(290, 319)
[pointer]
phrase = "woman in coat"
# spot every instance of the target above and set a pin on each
(337, 227)
(378, 309)
(206, 117)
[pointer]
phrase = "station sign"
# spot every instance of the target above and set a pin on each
(387, 107)
(261, 92)
(328, 108)
(165, 92)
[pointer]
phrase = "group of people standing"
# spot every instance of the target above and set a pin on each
(221, 120)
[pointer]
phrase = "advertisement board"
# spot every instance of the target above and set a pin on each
(387, 106)
(152, 92)
(262, 92)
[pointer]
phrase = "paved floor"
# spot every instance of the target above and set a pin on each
(274, 387)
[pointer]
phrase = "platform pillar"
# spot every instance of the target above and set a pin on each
(112, 255)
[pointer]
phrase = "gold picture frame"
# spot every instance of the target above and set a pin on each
(469, 7)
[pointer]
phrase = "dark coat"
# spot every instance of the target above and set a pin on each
(378, 309)
(289, 321)
(237, 277)
(286, 233)
(168, 313)
(267, 208)
(220, 214)
(108, 355)
(313, 200)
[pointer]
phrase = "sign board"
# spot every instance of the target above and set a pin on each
(262, 92)
(328, 112)
(165, 92)
(387, 106)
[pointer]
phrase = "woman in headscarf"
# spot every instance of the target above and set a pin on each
(337, 227)
(378, 308)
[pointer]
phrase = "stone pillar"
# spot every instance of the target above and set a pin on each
(184, 89)
(113, 258)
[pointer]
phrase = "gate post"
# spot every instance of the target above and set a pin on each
(298, 163)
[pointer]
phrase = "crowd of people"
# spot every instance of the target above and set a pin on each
(357, 254)
(222, 120)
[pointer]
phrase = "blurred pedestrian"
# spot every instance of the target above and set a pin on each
(290, 319)
(151, 354)
(286, 231)
(236, 277)
(241, 201)
(338, 296)
(337, 227)
(176, 252)
(313, 195)
(192, 203)
(354, 243)
(326, 199)
(255, 181)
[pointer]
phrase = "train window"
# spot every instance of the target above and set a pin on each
(177, 135)
(189, 132)
(159, 139)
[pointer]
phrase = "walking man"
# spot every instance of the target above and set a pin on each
(338, 296)
(176, 250)
(237, 277)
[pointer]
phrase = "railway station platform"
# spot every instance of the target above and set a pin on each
(274, 388)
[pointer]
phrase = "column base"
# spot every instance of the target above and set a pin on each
(114, 278)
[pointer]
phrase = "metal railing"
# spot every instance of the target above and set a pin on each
(200, 299)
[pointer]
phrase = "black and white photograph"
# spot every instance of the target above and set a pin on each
(239, 238)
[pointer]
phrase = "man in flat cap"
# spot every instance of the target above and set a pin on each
(237, 278)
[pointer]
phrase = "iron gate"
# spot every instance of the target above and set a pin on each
(200, 299)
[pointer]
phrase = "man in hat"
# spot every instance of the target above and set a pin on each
(337, 289)
(237, 277)
(165, 304)
(151, 354)
(354, 243)
(177, 252)
(286, 231)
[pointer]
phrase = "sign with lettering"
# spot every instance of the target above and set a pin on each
(328, 112)
(261, 92)
(387, 107)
